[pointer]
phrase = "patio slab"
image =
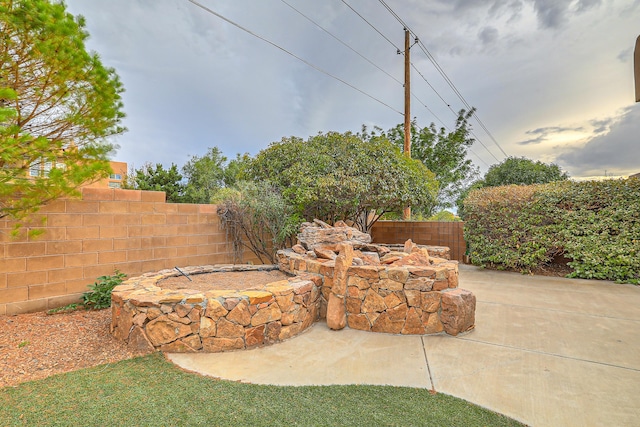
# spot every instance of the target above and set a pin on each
(546, 351)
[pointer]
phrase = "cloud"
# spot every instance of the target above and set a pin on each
(625, 55)
(551, 13)
(513, 7)
(630, 8)
(617, 151)
(554, 13)
(585, 5)
(488, 35)
(543, 134)
(602, 125)
(193, 81)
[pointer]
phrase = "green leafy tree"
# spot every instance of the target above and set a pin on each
(205, 176)
(336, 176)
(58, 103)
(523, 171)
(158, 179)
(443, 153)
(236, 170)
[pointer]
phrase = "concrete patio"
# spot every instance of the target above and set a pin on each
(545, 351)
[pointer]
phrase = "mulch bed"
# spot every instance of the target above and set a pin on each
(36, 345)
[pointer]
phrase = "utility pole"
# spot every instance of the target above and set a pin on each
(406, 213)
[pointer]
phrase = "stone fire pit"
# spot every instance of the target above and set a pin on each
(336, 273)
(186, 320)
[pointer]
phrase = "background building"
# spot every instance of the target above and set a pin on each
(115, 180)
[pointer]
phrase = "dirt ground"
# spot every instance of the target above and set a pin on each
(232, 280)
(37, 345)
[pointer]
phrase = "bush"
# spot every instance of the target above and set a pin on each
(100, 294)
(508, 228)
(594, 223)
(602, 229)
(256, 216)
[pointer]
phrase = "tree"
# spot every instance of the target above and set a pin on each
(443, 153)
(236, 170)
(522, 171)
(205, 176)
(336, 176)
(58, 103)
(158, 179)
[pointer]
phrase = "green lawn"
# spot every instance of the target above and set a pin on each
(149, 391)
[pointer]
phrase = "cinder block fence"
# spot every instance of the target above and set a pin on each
(108, 229)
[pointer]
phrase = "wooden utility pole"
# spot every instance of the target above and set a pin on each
(406, 213)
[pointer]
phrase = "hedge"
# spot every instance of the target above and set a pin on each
(594, 223)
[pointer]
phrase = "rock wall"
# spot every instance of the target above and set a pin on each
(148, 317)
(401, 299)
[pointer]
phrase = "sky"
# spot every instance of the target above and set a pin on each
(552, 80)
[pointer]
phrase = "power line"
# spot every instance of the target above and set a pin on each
(398, 50)
(315, 67)
(442, 73)
(341, 42)
(196, 3)
(457, 92)
(371, 25)
(429, 110)
(359, 54)
(395, 15)
(453, 111)
(432, 88)
(416, 69)
(419, 129)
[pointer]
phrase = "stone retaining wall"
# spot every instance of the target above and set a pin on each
(148, 317)
(409, 299)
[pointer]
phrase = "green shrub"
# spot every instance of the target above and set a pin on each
(508, 228)
(602, 229)
(100, 294)
(594, 223)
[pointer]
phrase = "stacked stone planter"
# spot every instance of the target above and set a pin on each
(149, 317)
(373, 288)
(394, 299)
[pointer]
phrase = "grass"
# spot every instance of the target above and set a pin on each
(150, 391)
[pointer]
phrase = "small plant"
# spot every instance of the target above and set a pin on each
(23, 344)
(99, 296)
(65, 308)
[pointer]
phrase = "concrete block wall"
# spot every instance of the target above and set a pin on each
(107, 229)
(433, 233)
